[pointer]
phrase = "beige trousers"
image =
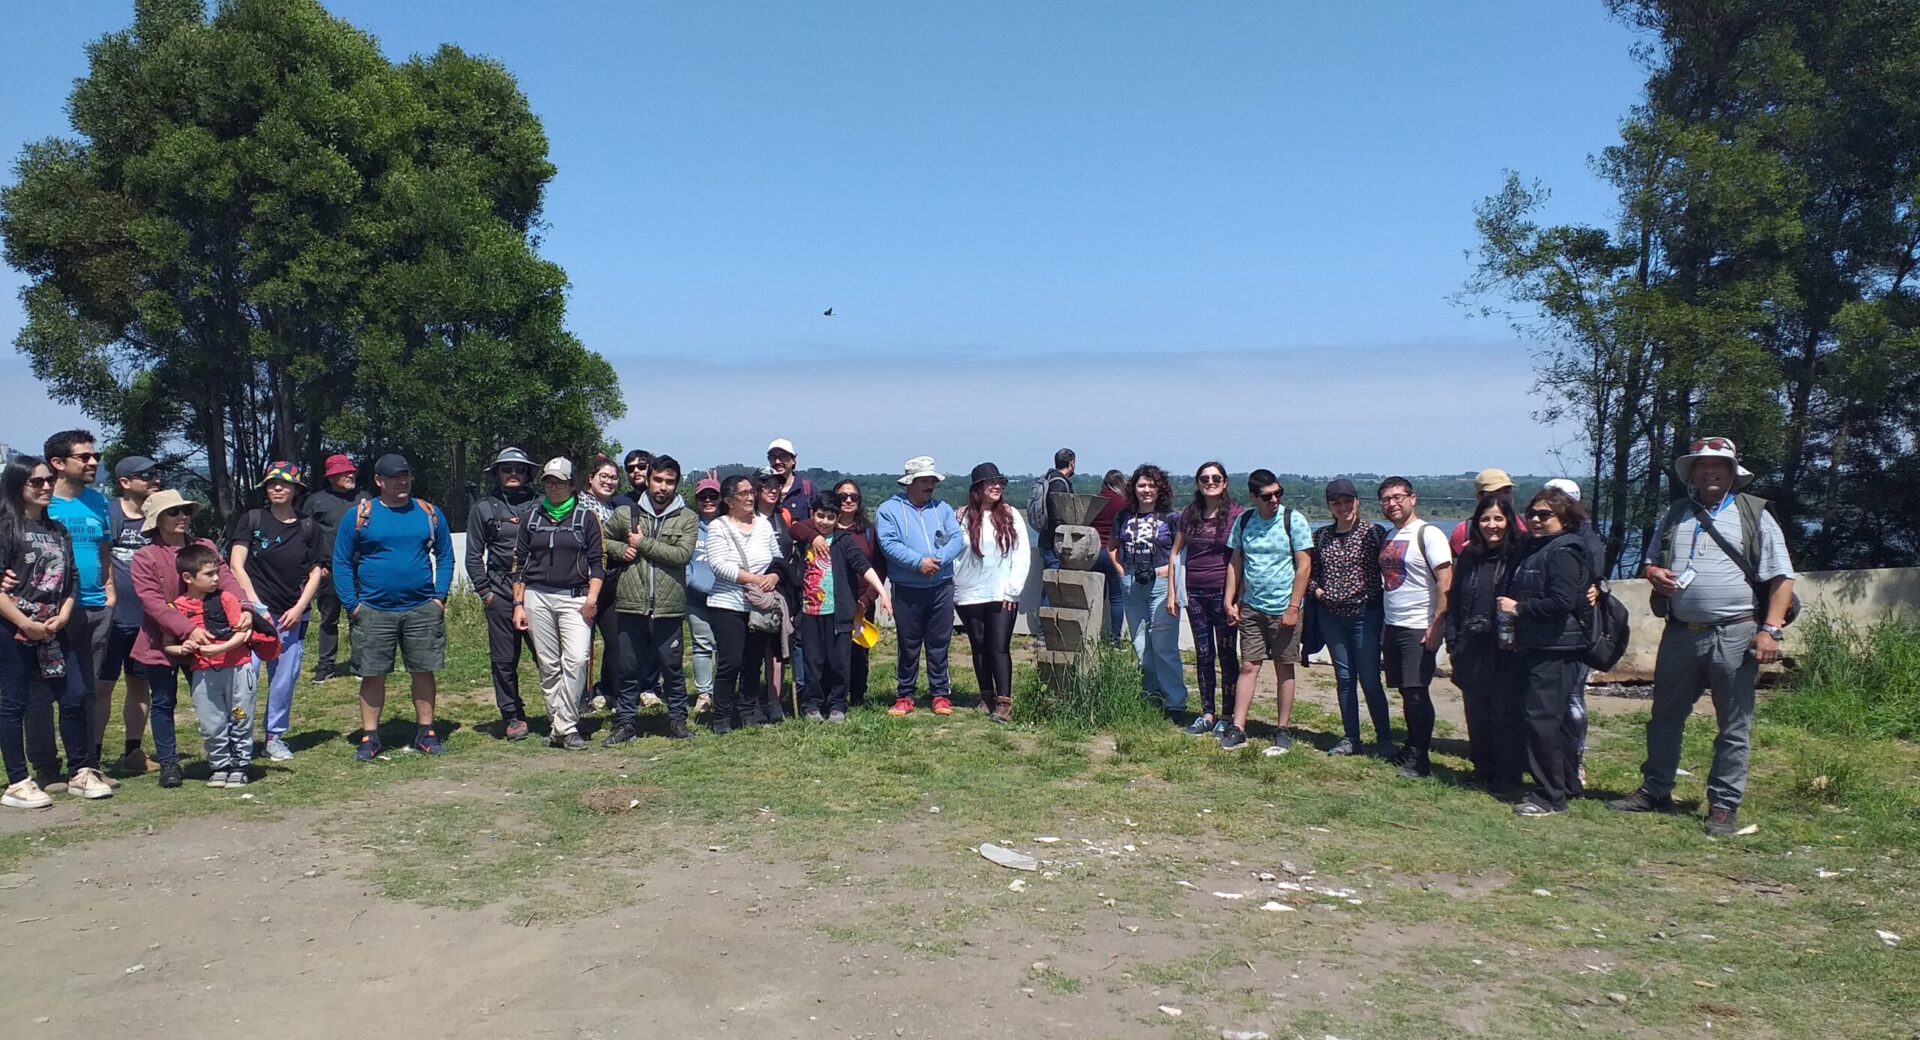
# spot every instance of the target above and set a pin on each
(562, 645)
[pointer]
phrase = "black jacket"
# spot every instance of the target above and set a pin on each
(850, 567)
(493, 529)
(328, 508)
(1550, 584)
(1478, 581)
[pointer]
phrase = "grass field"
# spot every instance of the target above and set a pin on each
(1435, 909)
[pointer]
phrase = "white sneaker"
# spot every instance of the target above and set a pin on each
(649, 699)
(26, 795)
(218, 779)
(278, 751)
(88, 783)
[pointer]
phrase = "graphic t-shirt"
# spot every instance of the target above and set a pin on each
(1143, 540)
(816, 592)
(1268, 547)
(125, 540)
(279, 555)
(1407, 572)
(37, 554)
(85, 519)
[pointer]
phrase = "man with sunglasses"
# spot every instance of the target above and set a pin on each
(638, 465)
(82, 510)
(327, 507)
(493, 528)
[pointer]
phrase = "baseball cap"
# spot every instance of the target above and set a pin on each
(1341, 487)
(1562, 484)
(336, 465)
(1491, 480)
(765, 473)
(133, 466)
(706, 484)
(392, 466)
(781, 444)
(558, 467)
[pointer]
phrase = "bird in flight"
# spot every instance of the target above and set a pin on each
(828, 313)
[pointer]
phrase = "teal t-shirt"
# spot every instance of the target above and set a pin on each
(85, 519)
(1269, 556)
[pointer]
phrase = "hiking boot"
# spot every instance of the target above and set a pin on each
(368, 750)
(903, 707)
(1414, 764)
(278, 751)
(516, 729)
(1233, 739)
(88, 783)
(25, 795)
(569, 742)
(1533, 808)
(1642, 801)
(170, 774)
(236, 778)
(622, 733)
(942, 706)
(1002, 713)
(1200, 726)
(135, 763)
(324, 674)
(720, 727)
(427, 742)
(1722, 821)
(1344, 749)
(677, 730)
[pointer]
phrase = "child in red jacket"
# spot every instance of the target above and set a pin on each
(221, 671)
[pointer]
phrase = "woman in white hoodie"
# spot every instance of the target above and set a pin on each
(987, 579)
(743, 553)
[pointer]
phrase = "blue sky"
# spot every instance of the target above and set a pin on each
(1161, 232)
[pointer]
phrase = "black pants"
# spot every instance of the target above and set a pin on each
(923, 617)
(73, 694)
(990, 634)
(1551, 730)
(1490, 682)
(650, 659)
(503, 651)
(858, 668)
(734, 648)
(327, 602)
(829, 652)
(613, 664)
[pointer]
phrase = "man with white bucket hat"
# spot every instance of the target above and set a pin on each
(921, 537)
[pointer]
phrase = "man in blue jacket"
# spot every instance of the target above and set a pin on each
(921, 538)
(392, 568)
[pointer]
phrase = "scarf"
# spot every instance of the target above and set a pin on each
(559, 512)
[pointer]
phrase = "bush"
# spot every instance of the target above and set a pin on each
(1852, 684)
(1104, 694)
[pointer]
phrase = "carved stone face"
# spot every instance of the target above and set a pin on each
(1077, 547)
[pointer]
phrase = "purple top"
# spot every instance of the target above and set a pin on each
(1207, 551)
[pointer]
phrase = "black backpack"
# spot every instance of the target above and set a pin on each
(1607, 642)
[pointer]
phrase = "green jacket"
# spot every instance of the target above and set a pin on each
(655, 582)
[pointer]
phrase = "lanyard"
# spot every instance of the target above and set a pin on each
(1713, 515)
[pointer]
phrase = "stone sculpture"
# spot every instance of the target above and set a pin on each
(1076, 610)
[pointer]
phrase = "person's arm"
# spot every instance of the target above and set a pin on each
(593, 544)
(1565, 589)
(1017, 578)
(239, 554)
(723, 555)
(1173, 569)
(950, 525)
(1302, 573)
(476, 556)
(1442, 567)
(442, 559)
(673, 545)
(615, 542)
(888, 527)
(1654, 569)
(30, 629)
(346, 584)
(1236, 577)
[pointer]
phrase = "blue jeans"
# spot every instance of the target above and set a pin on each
(1354, 644)
(1156, 642)
(1116, 595)
(283, 673)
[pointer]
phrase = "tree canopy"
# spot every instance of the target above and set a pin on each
(269, 241)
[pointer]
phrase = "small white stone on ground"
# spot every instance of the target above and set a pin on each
(1542, 892)
(1007, 857)
(1170, 1011)
(1274, 906)
(1887, 937)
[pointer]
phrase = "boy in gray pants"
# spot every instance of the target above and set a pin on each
(222, 692)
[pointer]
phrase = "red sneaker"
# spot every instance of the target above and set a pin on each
(903, 706)
(942, 706)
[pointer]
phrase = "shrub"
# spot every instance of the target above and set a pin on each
(1852, 684)
(1104, 694)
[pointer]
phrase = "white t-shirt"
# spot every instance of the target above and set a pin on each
(1408, 574)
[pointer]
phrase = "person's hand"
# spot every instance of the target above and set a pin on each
(634, 536)
(1173, 607)
(819, 545)
(487, 600)
(1010, 605)
(34, 632)
(1290, 618)
(287, 621)
(1507, 605)
(1318, 593)
(355, 613)
(588, 609)
(1233, 614)
(245, 624)
(929, 566)
(630, 553)
(769, 582)
(1766, 649)
(197, 638)
(9, 581)
(1662, 580)
(886, 603)
(442, 604)
(519, 618)
(1593, 595)
(1431, 641)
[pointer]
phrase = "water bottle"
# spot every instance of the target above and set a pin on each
(1503, 630)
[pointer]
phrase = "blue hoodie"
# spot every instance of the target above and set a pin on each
(909, 535)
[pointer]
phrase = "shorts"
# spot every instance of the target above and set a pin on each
(119, 655)
(1263, 638)
(1407, 662)
(419, 634)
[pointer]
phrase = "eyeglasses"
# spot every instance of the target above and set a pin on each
(40, 482)
(87, 456)
(1540, 514)
(1268, 496)
(1389, 499)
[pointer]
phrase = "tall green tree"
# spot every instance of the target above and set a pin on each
(267, 240)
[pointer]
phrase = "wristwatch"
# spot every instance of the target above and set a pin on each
(1775, 631)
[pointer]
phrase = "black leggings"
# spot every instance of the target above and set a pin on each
(990, 633)
(733, 646)
(1419, 708)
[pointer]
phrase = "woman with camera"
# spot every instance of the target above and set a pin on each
(1480, 643)
(744, 556)
(1547, 602)
(1143, 552)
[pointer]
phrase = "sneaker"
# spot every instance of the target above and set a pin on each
(1722, 821)
(650, 699)
(1642, 801)
(677, 730)
(134, 763)
(368, 750)
(1395, 756)
(942, 706)
(1200, 726)
(569, 742)
(1344, 749)
(170, 775)
(814, 715)
(1534, 807)
(278, 751)
(902, 707)
(720, 727)
(324, 675)
(218, 778)
(1282, 742)
(88, 783)
(1414, 765)
(236, 778)
(837, 718)
(1220, 728)
(622, 733)
(516, 729)
(1233, 739)
(427, 742)
(25, 795)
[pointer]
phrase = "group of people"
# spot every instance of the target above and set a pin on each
(774, 582)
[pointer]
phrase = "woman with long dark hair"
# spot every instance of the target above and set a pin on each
(602, 496)
(855, 521)
(1487, 672)
(1547, 602)
(34, 643)
(1143, 554)
(745, 557)
(1201, 555)
(987, 581)
(1113, 495)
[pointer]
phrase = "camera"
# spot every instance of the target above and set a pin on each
(1143, 573)
(1478, 626)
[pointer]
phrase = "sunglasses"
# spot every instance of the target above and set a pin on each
(1213, 478)
(1268, 496)
(149, 477)
(847, 497)
(175, 511)
(40, 482)
(708, 496)
(87, 456)
(1540, 514)
(1710, 444)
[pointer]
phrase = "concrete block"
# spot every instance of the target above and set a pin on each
(1069, 629)
(1076, 590)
